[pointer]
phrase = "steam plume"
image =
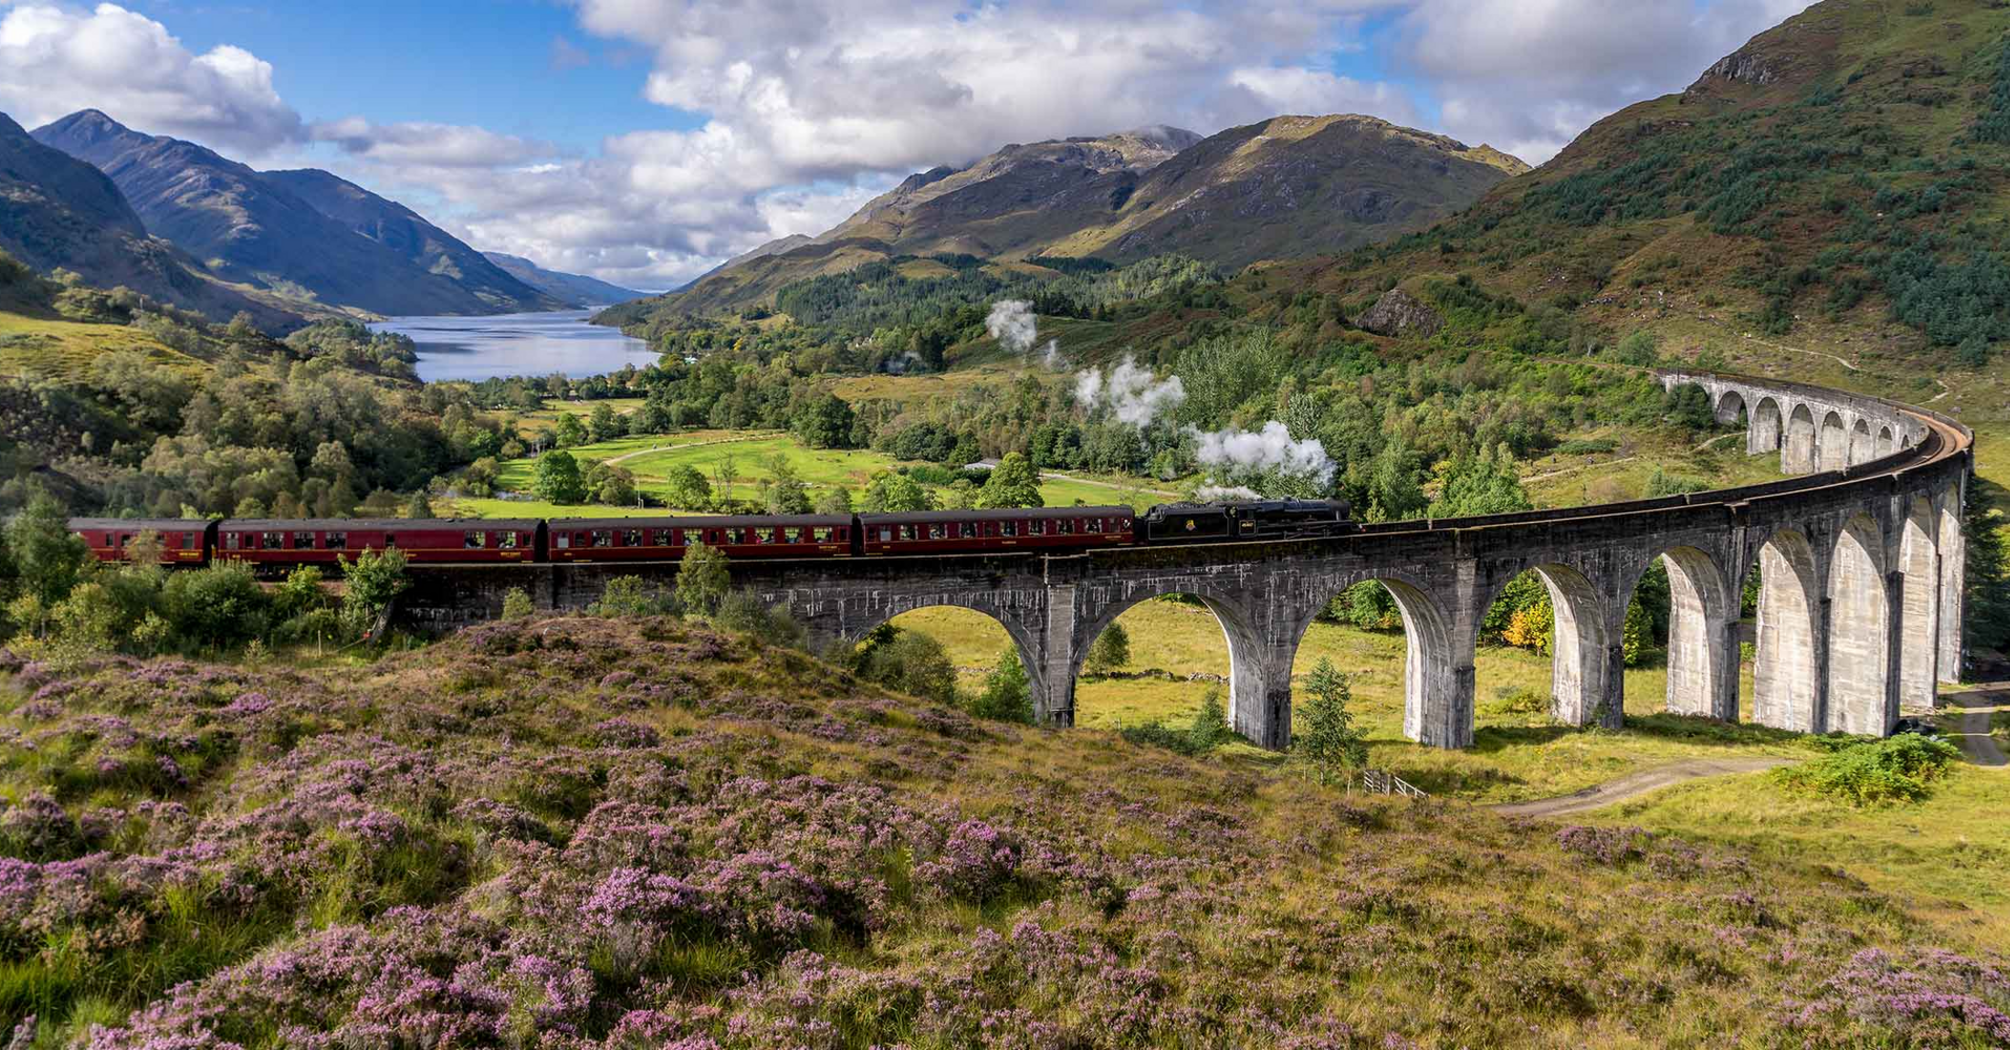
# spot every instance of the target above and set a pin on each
(1267, 451)
(1012, 323)
(1130, 392)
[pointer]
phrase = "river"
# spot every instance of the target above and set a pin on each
(538, 344)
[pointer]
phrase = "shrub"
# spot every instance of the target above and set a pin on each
(1874, 772)
(517, 604)
(909, 662)
(1327, 737)
(623, 596)
(742, 611)
(1007, 695)
(1517, 702)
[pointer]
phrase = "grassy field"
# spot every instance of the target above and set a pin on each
(31, 346)
(1565, 480)
(1178, 653)
(542, 421)
(651, 457)
(1948, 853)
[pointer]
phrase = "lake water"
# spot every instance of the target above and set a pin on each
(517, 345)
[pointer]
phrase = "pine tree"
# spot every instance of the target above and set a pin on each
(1327, 737)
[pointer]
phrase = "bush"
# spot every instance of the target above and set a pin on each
(742, 611)
(1208, 731)
(908, 662)
(1874, 772)
(517, 604)
(623, 596)
(1007, 695)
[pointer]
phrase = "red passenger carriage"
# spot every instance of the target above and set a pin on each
(664, 539)
(323, 540)
(184, 541)
(1039, 528)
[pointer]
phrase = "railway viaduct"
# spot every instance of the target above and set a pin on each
(1859, 557)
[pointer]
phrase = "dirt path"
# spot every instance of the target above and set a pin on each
(1973, 734)
(1637, 784)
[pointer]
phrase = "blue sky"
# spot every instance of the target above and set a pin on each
(644, 141)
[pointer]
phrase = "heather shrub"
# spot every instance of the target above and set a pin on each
(1874, 772)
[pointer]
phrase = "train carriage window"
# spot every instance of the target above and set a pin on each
(1008, 528)
(969, 530)
(935, 530)
(822, 533)
(338, 541)
(1067, 526)
(562, 540)
(475, 540)
(659, 537)
(632, 538)
(273, 541)
(1095, 525)
(303, 541)
(390, 540)
(507, 540)
(1036, 527)
(908, 532)
(230, 541)
(886, 534)
(764, 534)
(603, 537)
(792, 534)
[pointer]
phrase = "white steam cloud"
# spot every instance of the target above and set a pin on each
(1130, 391)
(1225, 493)
(1012, 323)
(1267, 451)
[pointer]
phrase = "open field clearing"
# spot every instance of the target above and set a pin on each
(31, 346)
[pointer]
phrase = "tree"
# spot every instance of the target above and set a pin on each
(558, 478)
(602, 424)
(1485, 484)
(369, 585)
(1637, 635)
(1013, 483)
(833, 501)
(825, 421)
(47, 556)
(1688, 405)
(910, 662)
(893, 494)
(419, 506)
(569, 432)
(609, 484)
(1109, 652)
(686, 489)
(517, 604)
(1007, 695)
(726, 472)
(702, 579)
(786, 492)
(1210, 724)
(1325, 733)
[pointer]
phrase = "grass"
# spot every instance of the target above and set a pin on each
(1562, 479)
(1947, 852)
(32, 346)
(543, 420)
(651, 457)
(1514, 757)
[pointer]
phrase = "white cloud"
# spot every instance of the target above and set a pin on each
(1529, 75)
(57, 60)
(423, 144)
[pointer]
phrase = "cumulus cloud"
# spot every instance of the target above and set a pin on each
(1528, 75)
(423, 144)
(55, 60)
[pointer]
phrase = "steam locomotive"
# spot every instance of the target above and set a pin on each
(287, 543)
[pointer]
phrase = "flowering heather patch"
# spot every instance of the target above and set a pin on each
(595, 834)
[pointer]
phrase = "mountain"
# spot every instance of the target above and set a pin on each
(249, 228)
(59, 212)
(1286, 186)
(570, 288)
(1838, 180)
(408, 233)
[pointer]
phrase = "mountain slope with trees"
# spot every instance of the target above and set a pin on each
(1282, 187)
(569, 288)
(249, 228)
(57, 212)
(1838, 179)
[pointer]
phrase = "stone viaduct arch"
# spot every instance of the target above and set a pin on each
(1860, 563)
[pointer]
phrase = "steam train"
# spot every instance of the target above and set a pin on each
(286, 543)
